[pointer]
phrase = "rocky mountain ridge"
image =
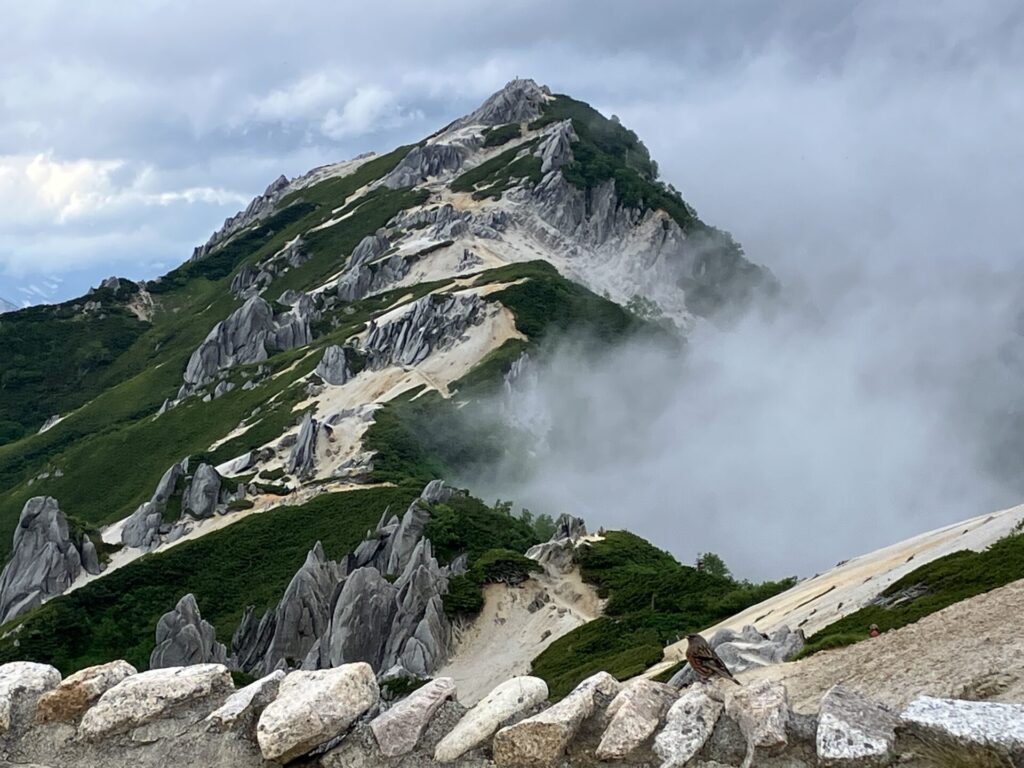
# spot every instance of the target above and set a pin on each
(248, 458)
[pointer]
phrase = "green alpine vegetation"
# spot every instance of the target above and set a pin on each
(653, 600)
(56, 358)
(925, 590)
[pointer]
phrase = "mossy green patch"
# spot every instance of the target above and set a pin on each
(502, 134)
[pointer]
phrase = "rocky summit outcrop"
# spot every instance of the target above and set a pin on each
(183, 638)
(399, 729)
(76, 693)
(541, 740)
(519, 101)
(432, 323)
(46, 558)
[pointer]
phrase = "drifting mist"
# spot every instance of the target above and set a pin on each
(790, 440)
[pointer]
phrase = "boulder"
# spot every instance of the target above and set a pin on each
(853, 730)
(956, 732)
(334, 367)
(748, 649)
(541, 740)
(688, 725)
(314, 707)
(244, 705)
(69, 700)
(302, 462)
(151, 695)
(183, 637)
(202, 494)
(636, 712)
(21, 684)
(142, 528)
(44, 560)
(762, 712)
(507, 700)
(399, 729)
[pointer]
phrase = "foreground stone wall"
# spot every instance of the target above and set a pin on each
(114, 717)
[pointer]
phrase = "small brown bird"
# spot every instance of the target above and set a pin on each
(704, 661)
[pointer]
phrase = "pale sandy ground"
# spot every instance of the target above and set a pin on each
(505, 638)
(973, 649)
(817, 602)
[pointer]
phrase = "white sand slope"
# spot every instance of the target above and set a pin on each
(502, 641)
(817, 602)
(973, 649)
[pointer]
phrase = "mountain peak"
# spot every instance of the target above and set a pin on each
(521, 99)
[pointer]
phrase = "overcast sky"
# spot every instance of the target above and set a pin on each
(870, 153)
(128, 132)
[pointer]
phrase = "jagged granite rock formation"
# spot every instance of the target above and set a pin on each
(302, 462)
(359, 282)
(46, 558)
(425, 162)
(558, 553)
(285, 635)
(183, 637)
(432, 323)
(336, 367)
(336, 613)
(142, 528)
(247, 335)
(556, 148)
(368, 249)
(519, 101)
